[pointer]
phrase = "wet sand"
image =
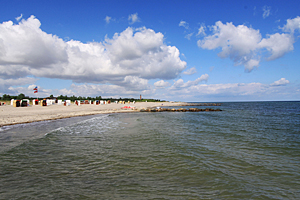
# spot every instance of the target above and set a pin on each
(10, 115)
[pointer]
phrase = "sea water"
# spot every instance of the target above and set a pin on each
(250, 150)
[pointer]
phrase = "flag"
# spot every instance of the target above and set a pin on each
(35, 89)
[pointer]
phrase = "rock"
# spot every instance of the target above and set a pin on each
(178, 110)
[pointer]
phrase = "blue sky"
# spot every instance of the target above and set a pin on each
(170, 50)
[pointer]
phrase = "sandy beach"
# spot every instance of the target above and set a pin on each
(17, 115)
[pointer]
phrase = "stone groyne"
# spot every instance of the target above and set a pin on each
(202, 104)
(178, 110)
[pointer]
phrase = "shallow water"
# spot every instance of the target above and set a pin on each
(247, 151)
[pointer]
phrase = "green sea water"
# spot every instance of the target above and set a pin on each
(247, 151)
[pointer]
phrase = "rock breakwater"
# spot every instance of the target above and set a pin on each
(178, 110)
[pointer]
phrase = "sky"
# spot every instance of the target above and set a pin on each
(192, 51)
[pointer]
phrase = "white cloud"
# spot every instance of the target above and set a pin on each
(180, 90)
(292, 25)
(230, 92)
(28, 91)
(184, 24)
(26, 45)
(245, 45)
(131, 57)
(161, 84)
(107, 19)
(8, 86)
(135, 83)
(237, 42)
(201, 30)
(251, 64)
(133, 18)
(277, 44)
(180, 83)
(218, 92)
(267, 11)
(20, 17)
(5, 83)
(188, 36)
(231, 88)
(190, 71)
(280, 82)
(114, 91)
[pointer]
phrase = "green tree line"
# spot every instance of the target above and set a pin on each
(7, 97)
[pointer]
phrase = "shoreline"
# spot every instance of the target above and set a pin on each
(20, 115)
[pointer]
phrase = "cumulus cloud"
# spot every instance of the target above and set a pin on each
(133, 18)
(277, 44)
(280, 82)
(184, 24)
(190, 71)
(135, 83)
(245, 45)
(181, 84)
(161, 84)
(25, 45)
(292, 25)
(129, 58)
(267, 11)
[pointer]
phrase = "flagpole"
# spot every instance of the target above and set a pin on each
(36, 91)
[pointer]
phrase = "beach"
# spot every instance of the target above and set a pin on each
(17, 115)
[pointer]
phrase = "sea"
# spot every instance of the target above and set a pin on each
(249, 150)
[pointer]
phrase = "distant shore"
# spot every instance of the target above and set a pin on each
(18, 115)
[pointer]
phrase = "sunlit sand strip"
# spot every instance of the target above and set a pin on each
(10, 115)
